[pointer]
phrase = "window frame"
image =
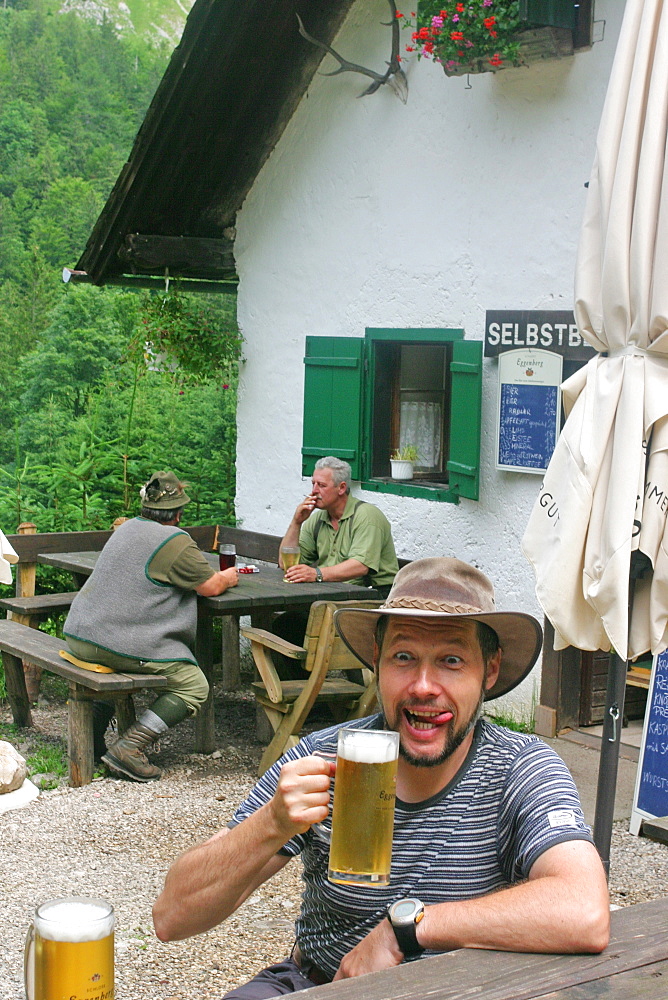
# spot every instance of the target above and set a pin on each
(331, 363)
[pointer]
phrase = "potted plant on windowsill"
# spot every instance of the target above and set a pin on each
(482, 36)
(402, 461)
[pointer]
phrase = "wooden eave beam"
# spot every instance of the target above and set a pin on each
(179, 255)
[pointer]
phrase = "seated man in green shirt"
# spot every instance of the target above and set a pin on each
(339, 538)
(137, 612)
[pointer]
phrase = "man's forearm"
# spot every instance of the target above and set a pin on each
(208, 883)
(349, 569)
(205, 885)
(558, 911)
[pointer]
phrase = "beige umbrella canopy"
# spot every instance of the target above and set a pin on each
(605, 493)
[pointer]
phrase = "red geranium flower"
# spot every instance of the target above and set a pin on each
(457, 36)
(496, 60)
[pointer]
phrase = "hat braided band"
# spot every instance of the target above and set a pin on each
(421, 605)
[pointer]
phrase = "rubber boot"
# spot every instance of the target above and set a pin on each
(103, 713)
(126, 756)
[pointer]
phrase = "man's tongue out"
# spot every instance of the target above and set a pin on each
(427, 719)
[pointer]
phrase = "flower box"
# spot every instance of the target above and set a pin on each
(536, 45)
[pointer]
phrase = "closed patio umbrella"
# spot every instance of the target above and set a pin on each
(600, 518)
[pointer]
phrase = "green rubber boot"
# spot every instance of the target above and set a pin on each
(126, 756)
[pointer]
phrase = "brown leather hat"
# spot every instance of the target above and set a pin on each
(448, 588)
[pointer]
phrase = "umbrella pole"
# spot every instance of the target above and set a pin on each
(607, 771)
(612, 729)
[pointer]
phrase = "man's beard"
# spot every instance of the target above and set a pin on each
(452, 742)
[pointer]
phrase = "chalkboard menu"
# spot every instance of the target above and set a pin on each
(651, 792)
(529, 409)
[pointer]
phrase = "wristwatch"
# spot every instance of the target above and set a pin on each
(318, 575)
(404, 916)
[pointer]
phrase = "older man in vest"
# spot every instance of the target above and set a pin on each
(137, 612)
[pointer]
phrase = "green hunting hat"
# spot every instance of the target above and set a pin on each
(163, 491)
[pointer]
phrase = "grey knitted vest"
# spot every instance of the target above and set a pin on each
(122, 609)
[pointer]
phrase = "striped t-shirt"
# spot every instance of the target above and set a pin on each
(512, 799)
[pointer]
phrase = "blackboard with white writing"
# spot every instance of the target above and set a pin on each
(651, 793)
(527, 426)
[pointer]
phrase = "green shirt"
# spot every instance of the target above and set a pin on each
(363, 533)
(180, 563)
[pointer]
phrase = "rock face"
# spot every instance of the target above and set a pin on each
(156, 20)
(13, 768)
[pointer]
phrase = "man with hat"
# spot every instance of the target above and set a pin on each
(490, 845)
(137, 612)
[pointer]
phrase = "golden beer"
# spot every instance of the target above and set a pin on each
(290, 557)
(363, 812)
(70, 955)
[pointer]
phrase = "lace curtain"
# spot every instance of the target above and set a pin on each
(420, 424)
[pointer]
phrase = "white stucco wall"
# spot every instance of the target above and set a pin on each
(370, 213)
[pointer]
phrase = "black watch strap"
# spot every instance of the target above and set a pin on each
(407, 939)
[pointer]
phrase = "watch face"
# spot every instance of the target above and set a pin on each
(404, 908)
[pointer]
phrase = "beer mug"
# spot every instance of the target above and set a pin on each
(69, 951)
(360, 850)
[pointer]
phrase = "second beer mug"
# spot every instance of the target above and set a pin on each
(363, 813)
(69, 952)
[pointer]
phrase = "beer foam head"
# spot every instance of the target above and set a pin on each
(74, 920)
(368, 746)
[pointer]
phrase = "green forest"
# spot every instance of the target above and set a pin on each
(101, 386)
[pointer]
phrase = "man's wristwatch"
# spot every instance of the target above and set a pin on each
(318, 575)
(404, 916)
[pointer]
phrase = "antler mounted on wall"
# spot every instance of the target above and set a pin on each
(394, 75)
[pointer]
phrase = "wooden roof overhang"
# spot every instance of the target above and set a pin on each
(231, 86)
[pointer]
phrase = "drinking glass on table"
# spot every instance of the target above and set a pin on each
(227, 555)
(290, 556)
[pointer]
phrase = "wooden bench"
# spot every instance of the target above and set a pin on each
(29, 610)
(18, 643)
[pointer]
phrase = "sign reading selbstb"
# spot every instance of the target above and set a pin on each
(547, 329)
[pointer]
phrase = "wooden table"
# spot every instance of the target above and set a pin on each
(259, 595)
(634, 966)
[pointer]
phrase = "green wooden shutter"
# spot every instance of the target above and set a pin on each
(465, 404)
(555, 13)
(333, 392)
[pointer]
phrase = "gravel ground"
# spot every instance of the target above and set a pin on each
(116, 839)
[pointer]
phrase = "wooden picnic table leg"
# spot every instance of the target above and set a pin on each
(17, 693)
(230, 653)
(80, 735)
(205, 721)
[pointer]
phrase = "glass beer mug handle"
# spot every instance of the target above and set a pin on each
(29, 963)
(320, 829)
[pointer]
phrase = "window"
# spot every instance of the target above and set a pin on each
(364, 397)
(576, 15)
